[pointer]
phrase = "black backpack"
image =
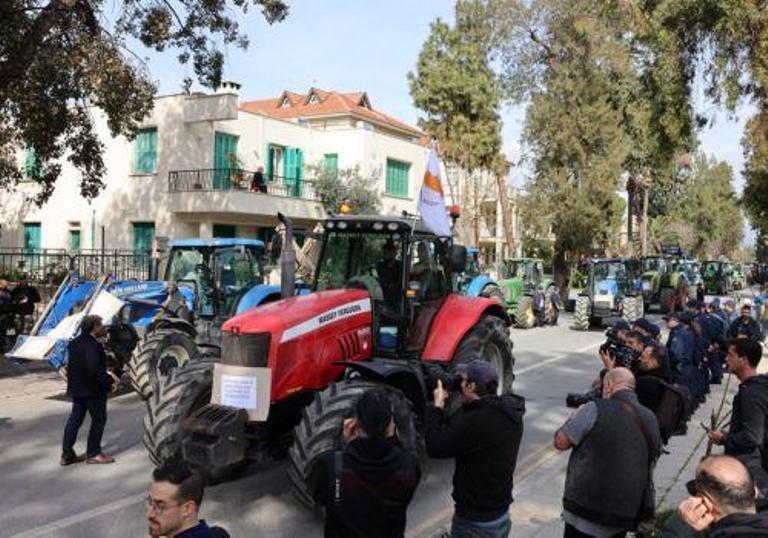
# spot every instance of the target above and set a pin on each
(673, 410)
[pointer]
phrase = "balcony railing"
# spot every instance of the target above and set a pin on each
(231, 179)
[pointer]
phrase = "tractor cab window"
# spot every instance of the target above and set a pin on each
(428, 286)
(237, 271)
(651, 264)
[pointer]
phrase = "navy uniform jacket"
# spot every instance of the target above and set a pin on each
(680, 346)
(87, 375)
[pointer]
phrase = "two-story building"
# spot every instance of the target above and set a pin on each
(188, 170)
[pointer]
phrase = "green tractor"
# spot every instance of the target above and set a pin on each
(717, 276)
(611, 291)
(739, 276)
(663, 280)
(519, 279)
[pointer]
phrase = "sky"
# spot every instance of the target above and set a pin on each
(368, 45)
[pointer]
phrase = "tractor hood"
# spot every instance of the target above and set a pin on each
(308, 335)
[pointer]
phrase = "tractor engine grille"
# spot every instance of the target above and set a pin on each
(245, 349)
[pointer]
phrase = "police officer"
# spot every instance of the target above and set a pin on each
(745, 325)
(680, 348)
(25, 297)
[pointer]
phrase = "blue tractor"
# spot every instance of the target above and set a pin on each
(475, 282)
(155, 326)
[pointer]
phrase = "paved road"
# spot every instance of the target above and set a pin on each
(43, 499)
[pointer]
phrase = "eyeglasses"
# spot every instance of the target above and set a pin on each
(158, 506)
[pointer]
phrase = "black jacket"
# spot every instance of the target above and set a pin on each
(378, 480)
(87, 375)
(739, 525)
(746, 326)
(6, 301)
(22, 306)
(484, 438)
(747, 437)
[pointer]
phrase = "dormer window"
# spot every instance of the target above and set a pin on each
(313, 99)
(285, 103)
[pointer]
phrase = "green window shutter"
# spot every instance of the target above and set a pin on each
(145, 151)
(299, 172)
(32, 168)
(332, 162)
(32, 235)
(74, 240)
(224, 230)
(270, 158)
(396, 182)
(289, 166)
(143, 235)
(224, 145)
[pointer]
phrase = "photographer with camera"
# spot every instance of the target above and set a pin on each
(650, 331)
(484, 438)
(615, 442)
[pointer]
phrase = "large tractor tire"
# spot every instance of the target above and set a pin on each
(186, 390)
(525, 318)
(157, 356)
(581, 313)
(322, 421)
(667, 300)
(492, 292)
(632, 308)
(489, 339)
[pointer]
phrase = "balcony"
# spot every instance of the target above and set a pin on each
(228, 190)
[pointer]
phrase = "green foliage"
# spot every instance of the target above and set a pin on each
(335, 187)
(60, 57)
(756, 170)
(707, 220)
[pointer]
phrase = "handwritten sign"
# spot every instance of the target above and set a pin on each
(238, 391)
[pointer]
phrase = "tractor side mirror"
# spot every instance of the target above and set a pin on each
(458, 257)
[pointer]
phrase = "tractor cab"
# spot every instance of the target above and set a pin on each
(611, 291)
(216, 271)
(405, 269)
(529, 270)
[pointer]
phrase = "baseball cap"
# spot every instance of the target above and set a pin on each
(682, 317)
(479, 372)
(620, 325)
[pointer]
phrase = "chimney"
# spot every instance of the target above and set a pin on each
(228, 86)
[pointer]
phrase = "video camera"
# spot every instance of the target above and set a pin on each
(450, 378)
(624, 356)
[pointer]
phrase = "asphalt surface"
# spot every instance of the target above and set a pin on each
(40, 498)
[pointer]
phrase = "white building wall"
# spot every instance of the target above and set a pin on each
(188, 145)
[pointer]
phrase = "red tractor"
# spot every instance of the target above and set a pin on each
(384, 312)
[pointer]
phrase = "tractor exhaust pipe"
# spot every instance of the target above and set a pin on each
(287, 259)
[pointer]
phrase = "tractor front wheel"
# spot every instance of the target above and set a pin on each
(632, 308)
(321, 427)
(157, 356)
(489, 339)
(492, 292)
(667, 300)
(581, 313)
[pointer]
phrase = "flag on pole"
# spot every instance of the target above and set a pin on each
(431, 203)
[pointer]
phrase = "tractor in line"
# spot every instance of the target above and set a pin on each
(611, 291)
(290, 371)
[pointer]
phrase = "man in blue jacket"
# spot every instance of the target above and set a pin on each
(88, 384)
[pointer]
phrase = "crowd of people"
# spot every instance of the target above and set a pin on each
(17, 309)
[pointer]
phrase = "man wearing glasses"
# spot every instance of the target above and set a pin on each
(722, 501)
(173, 505)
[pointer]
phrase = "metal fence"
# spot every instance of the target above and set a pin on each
(49, 266)
(230, 179)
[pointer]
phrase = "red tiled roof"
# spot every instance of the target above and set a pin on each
(328, 103)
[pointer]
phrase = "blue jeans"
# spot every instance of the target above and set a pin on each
(498, 528)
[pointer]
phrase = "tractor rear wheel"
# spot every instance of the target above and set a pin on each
(322, 421)
(525, 319)
(632, 308)
(667, 300)
(581, 313)
(159, 353)
(489, 339)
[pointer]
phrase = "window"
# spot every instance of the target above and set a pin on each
(397, 178)
(143, 235)
(32, 235)
(274, 162)
(314, 99)
(331, 162)
(74, 240)
(224, 157)
(145, 151)
(32, 168)
(224, 230)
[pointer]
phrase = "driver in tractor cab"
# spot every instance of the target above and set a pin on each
(388, 271)
(175, 305)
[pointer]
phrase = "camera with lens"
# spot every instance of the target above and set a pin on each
(624, 356)
(575, 399)
(451, 379)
